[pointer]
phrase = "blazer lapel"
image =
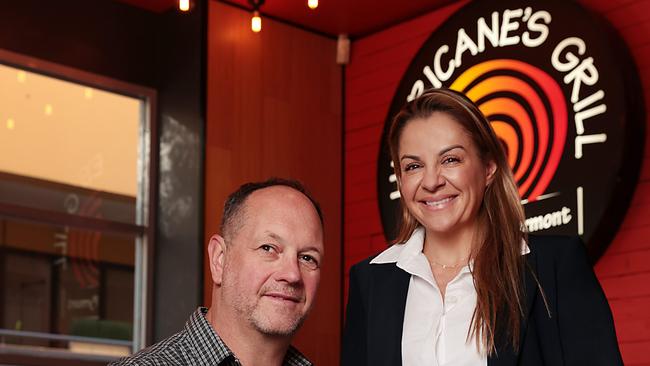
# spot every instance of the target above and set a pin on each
(505, 355)
(386, 304)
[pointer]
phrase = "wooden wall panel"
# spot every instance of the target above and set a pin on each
(274, 109)
(377, 65)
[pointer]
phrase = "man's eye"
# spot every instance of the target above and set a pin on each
(267, 247)
(309, 260)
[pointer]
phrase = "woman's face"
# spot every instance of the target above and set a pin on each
(442, 177)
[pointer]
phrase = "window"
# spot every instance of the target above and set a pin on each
(75, 211)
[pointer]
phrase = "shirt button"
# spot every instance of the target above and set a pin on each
(452, 299)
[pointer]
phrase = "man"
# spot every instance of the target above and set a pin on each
(265, 271)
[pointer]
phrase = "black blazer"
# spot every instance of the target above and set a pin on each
(579, 332)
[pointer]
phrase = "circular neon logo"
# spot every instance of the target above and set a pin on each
(562, 94)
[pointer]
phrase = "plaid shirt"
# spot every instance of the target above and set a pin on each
(198, 344)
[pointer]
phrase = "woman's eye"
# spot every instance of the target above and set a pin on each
(411, 166)
(450, 160)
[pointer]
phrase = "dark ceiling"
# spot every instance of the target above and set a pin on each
(356, 18)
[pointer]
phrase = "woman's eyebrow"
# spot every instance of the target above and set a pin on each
(448, 149)
(412, 157)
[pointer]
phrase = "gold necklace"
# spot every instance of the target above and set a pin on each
(448, 266)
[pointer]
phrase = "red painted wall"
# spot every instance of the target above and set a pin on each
(377, 65)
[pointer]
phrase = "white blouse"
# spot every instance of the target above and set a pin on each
(435, 329)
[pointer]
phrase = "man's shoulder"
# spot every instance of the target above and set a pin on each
(170, 351)
(295, 358)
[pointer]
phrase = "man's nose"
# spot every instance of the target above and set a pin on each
(289, 270)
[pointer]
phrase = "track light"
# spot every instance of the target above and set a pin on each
(256, 20)
(184, 5)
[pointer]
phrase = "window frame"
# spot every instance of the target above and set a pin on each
(144, 228)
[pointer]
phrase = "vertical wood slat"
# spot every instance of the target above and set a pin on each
(274, 109)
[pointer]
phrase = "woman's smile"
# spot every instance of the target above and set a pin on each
(439, 203)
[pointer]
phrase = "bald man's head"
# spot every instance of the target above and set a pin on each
(234, 210)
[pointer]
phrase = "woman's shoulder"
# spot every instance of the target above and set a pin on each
(365, 263)
(556, 246)
(360, 272)
(388, 256)
(552, 242)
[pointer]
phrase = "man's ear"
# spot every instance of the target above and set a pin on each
(216, 254)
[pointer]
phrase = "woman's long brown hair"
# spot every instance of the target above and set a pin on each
(498, 263)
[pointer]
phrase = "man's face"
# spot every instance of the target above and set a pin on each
(272, 262)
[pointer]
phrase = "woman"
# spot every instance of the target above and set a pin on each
(464, 285)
